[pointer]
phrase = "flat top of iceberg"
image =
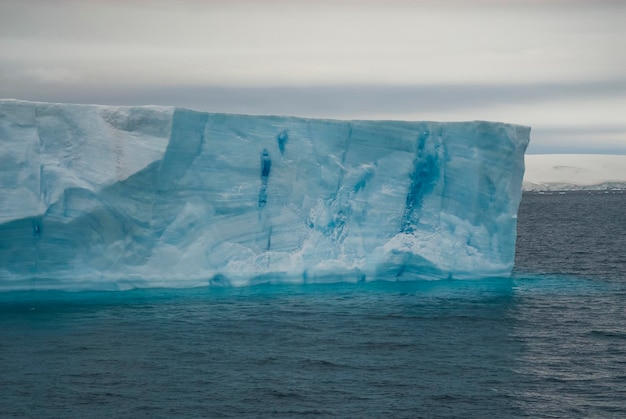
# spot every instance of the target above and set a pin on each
(295, 117)
(17, 102)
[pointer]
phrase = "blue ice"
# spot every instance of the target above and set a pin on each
(123, 197)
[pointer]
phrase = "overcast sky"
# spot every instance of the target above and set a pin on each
(556, 65)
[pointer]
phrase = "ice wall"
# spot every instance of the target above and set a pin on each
(118, 197)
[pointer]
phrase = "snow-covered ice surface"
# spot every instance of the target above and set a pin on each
(120, 197)
(561, 172)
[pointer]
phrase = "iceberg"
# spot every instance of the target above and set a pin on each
(103, 197)
(574, 172)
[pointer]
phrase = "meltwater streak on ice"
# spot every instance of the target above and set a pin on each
(97, 197)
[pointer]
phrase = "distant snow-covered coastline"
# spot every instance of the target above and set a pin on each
(569, 172)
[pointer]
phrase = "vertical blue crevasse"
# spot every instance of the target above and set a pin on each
(423, 178)
(282, 140)
(266, 166)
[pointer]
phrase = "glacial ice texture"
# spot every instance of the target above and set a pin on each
(121, 197)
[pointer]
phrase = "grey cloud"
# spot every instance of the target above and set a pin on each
(325, 101)
(573, 140)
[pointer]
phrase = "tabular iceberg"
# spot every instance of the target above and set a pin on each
(121, 197)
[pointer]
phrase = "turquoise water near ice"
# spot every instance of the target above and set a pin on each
(548, 342)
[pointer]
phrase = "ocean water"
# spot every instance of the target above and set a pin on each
(548, 342)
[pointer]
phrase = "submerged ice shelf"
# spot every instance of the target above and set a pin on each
(118, 197)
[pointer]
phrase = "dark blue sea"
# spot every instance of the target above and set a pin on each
(548, 342)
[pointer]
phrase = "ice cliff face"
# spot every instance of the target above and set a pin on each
(117, 197)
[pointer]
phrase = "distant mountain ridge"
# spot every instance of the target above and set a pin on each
(568, 172)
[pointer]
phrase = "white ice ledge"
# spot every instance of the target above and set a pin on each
(561, 172)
